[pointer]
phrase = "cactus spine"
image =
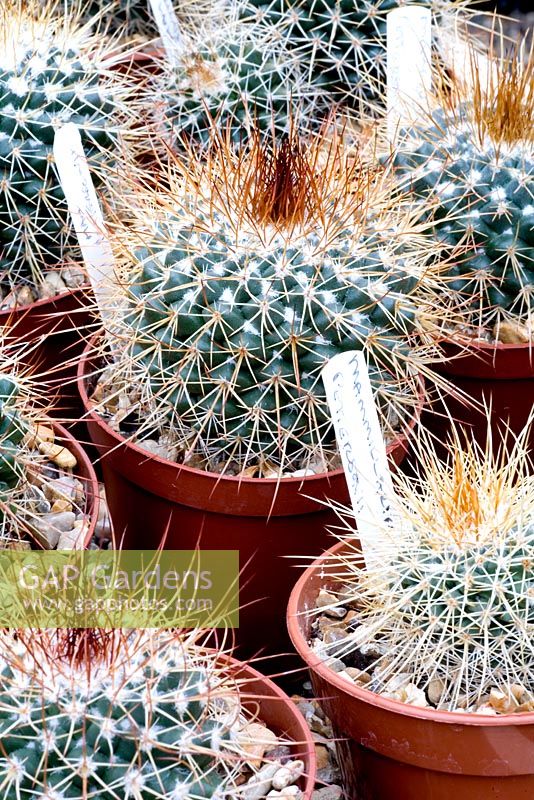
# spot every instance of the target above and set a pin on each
(125, 715)
(236, 76)
(342, 42)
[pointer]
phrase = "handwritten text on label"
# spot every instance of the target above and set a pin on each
(361, 445)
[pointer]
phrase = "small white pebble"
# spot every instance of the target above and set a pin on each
(288, 774)
(59, 455)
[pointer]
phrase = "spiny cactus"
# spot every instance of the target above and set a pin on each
(341, 42)
(474, 160)
(12, 430)
(265, 264)
(144, 715)
(237, 76)
(454, 608)
(51, 72)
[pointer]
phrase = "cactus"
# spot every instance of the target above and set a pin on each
(342, 42)
(95, 714)
(50, 73)
(235, 76)
(277, 257)
(17, 417)
(454, 606)
(473, 160)
(36, 466)
(12, 429)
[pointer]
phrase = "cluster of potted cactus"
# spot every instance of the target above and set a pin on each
(260, 223)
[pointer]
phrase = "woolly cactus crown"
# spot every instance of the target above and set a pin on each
(455, 605)
(475, 161)
(262, 264)
(86, 714)
(52, 71)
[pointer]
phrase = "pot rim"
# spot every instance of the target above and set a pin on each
(313, 662)
(477, 344)
(401, 439)
(44, 301)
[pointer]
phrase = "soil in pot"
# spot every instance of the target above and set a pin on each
(57, 500)
(153, 500)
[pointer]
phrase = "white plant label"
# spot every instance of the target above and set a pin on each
(169, 28)
(363, 452)
(409, 65)
(86, 216)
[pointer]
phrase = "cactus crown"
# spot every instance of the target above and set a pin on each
(455, 604)
(474, 161)
(123, 715)
(52, 71)
(253, 269)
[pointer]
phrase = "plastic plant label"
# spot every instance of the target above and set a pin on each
(86, 217)
(409, 65)
(168, 27)
(363, 452)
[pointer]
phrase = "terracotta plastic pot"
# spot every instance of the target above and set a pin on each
(500, 375)
(154, 501)
(273, 707)
(85, 473)
(392, 751)
(65, 322)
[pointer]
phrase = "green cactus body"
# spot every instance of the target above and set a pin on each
(483, 198)
(12, 430)
(342, 42)
(45, 81)
(240, 78)
(480, 593)
(143, 727)
(229, 340)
